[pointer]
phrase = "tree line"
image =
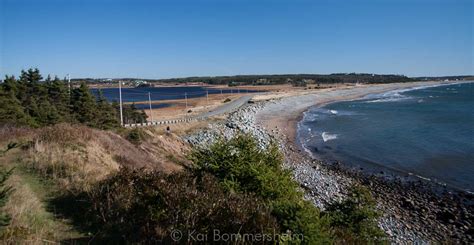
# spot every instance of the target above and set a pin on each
(292, 79)
(33, 101)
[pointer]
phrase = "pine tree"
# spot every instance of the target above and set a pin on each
(10, 84)
(59, 97)
(84, 105)
(107, 117)
(131, 114)
(32, 93)
(33, 102)
(11, 111)
(31, 76)
(47, 114)
(31, 79)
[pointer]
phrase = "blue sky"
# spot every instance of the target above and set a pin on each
(161, 39)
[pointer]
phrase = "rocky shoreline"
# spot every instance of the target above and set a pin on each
(411, 211)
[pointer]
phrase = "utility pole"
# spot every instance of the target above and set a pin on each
(186, 100)
(149, 101)
(69, 84)
(207, 97)
(120, 98)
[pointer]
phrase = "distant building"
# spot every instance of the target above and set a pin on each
(261, 81)
(139, 83)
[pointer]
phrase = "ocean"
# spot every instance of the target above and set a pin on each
(423, 132)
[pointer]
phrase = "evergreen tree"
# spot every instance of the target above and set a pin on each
(132, 115)
(47, 114)
(31, 92)
(10, 84)
(31, 76)
(84, 105)
(32, 102)
(107, 117)
(11, 111)
(48, 79)
(59, 96)
(31, 79)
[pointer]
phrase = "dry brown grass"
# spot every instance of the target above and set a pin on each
(182, 129)
(77, 156)
(72, 158)
(11, 133)
(167, 148)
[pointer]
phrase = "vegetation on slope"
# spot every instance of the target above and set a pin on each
(354, 220)
(234, 187)
(242, 167)
(5, 192)
(56, 161)
(72, 182)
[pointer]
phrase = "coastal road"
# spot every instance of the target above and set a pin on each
(227, 107)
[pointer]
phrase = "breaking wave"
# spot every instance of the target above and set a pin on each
(397, 95)
(391, 96)
(327, 137)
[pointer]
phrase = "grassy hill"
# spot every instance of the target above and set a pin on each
(52, 161)
(72, 183)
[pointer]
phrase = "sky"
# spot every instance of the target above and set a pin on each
(164, 39)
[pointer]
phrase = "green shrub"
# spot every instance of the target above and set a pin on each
(242, 166)
(354, 219)
(135, 136)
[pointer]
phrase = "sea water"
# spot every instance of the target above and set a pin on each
(425, 132)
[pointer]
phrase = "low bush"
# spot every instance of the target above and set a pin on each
(140, 206)
(354, 219)
(135, 136)
(242, 166)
